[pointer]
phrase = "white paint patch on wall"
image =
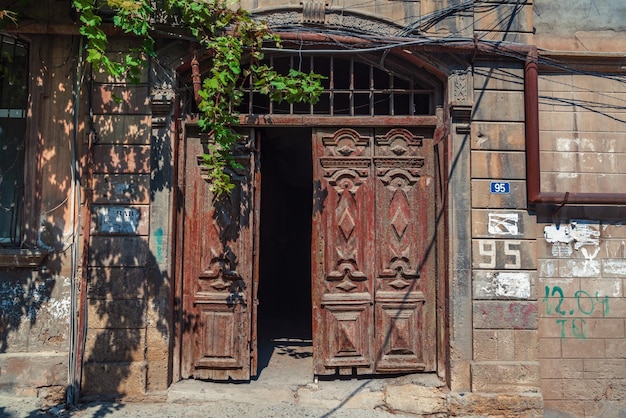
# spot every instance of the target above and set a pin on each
(616, 267)
(512, 285)
(59, 308)
(502, 285)
(585, 268)
(503, 224)
(547, 268)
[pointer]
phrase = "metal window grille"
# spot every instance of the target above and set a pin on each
(351, 88)
(13, 105)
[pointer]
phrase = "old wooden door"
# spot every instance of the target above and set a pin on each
(373, 263)
(219, 274)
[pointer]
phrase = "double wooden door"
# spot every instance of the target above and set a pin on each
(372, 255)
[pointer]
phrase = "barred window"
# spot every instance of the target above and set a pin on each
(351, 88)
(13, 106)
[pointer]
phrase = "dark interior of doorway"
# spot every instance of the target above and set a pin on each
(284, 311)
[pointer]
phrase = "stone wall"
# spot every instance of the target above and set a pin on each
(505, 346)
(128, 300)
(581, 252)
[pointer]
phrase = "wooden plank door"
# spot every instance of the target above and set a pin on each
(373, 261)
(219, 328)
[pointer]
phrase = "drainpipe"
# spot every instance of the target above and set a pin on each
(74, 382)
(533, 170)
(196, 79)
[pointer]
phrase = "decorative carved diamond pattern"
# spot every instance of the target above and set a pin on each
(346, 286)
(399, 284)
(346, 220)
(399, 213)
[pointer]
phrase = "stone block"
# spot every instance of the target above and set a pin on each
(586, 389)
(123, 129)
(570, 182)
(134, 101)
(615, 348)
(505, 315)
(159, 376)
(573, 408)
(553, 388)
(124, 313)
(549, 348)
(499, 106)
(580, 268)
(508, 165)
(121, 159)
(498, 136)
(485, 345)
(158, 345)
(557, 121)
(415, 399)
(574, 348)
(547, 269)
(120, 251)
(498, 75)
(498, 377)
(504, 224)
(569, 287)
(526, 345)
(113, 380)
(605, 328)
(559, 368)
(117, 282)
(121, 188)
(115, 345)
(615, 248)
(482, 198)
(365, 400)
(23, 373)
(504, 285)
(521, 405)
(615, 267)
(504, 254)
(604, 368)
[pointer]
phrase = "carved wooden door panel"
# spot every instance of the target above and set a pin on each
(373, 267)
(219, 333)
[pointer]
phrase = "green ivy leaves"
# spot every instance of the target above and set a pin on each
(226, 34)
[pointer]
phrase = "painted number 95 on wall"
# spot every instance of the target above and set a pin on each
(500, 187)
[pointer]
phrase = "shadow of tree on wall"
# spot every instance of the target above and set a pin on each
(128, 335)
(35, 301)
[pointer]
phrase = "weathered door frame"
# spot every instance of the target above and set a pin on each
(440, 125)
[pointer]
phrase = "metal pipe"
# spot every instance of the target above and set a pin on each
(533, 169)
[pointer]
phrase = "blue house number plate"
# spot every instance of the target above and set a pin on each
(500, 187)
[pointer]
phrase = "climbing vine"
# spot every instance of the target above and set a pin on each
(230, 37)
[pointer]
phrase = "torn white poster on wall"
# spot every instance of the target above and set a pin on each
(579, 233)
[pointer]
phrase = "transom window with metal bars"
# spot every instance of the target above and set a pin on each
(351, 88)
(13, 106)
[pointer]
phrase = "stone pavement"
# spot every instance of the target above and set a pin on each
(284, 388)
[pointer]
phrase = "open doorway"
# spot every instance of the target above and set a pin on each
(284, 293)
